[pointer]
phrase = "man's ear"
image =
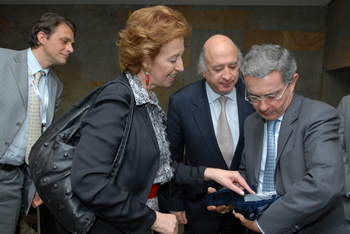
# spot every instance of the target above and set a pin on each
(294, 81)
(202, 70)
(42, 37)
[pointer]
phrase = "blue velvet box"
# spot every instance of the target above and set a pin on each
(250, 209)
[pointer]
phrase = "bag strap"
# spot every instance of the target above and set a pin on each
(118, 159)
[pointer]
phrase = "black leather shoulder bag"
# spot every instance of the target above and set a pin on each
(50, 162)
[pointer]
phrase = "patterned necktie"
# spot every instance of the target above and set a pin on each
(34, 124)
(268, 183)
(224, 135)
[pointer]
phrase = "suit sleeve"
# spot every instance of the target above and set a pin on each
(316, 191)
(344, 108)
(177, 143)
(101, 133)
(59, 96)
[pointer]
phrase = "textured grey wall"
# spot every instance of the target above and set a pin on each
(95, 60)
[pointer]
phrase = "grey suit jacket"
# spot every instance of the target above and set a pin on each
(309, 172)
(14, 98)
(344, 132)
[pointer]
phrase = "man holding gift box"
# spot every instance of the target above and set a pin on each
(292, 147)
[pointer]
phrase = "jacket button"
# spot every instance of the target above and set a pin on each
(18, 124)
(7, 144)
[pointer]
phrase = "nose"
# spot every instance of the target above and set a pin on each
(263, 105)
(180, 65)
(69, 48)
(226, 74)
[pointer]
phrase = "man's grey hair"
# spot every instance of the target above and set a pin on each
(264, 59)
(202, 63)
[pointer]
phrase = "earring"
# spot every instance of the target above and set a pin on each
(147, 76)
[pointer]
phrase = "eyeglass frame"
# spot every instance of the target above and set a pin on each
(265, 97)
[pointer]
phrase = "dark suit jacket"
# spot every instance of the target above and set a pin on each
(14, 102)
(309, 171)
(190, 127)
(119, 203)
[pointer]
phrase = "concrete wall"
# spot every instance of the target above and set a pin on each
(336, 79)
(95, 60)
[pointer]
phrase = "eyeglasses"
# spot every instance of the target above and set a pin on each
(253, 99)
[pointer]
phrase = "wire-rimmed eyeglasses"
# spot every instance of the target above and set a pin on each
(254, 99)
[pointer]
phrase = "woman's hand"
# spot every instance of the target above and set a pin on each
(229, 179)
(165, 223)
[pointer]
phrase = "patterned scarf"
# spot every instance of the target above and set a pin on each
(158, 119)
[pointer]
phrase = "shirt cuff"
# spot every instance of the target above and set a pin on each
(347, 195)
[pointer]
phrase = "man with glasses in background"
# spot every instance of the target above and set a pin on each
(292, 148)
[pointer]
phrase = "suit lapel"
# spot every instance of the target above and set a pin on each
(290, 116)
(244, 110)
(257, 151)
(20, 71)
(202, 117)
(52, 83)
(148, 124)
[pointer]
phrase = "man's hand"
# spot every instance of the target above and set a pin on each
(181, 217)
(220, 209)
(36, 200)
(165, 223)
(252, 225)
(229, 179)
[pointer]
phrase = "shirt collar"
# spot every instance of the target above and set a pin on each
(212, 96)
(33, 63)
(279, 119)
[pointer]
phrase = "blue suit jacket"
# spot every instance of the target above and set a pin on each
(120, 202)
(190, 128)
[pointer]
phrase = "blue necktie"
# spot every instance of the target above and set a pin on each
(268, 182)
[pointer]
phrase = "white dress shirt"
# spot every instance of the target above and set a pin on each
(231, 111)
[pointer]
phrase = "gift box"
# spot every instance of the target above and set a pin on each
(250, 205)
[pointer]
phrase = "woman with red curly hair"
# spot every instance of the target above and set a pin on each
(150, 55)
